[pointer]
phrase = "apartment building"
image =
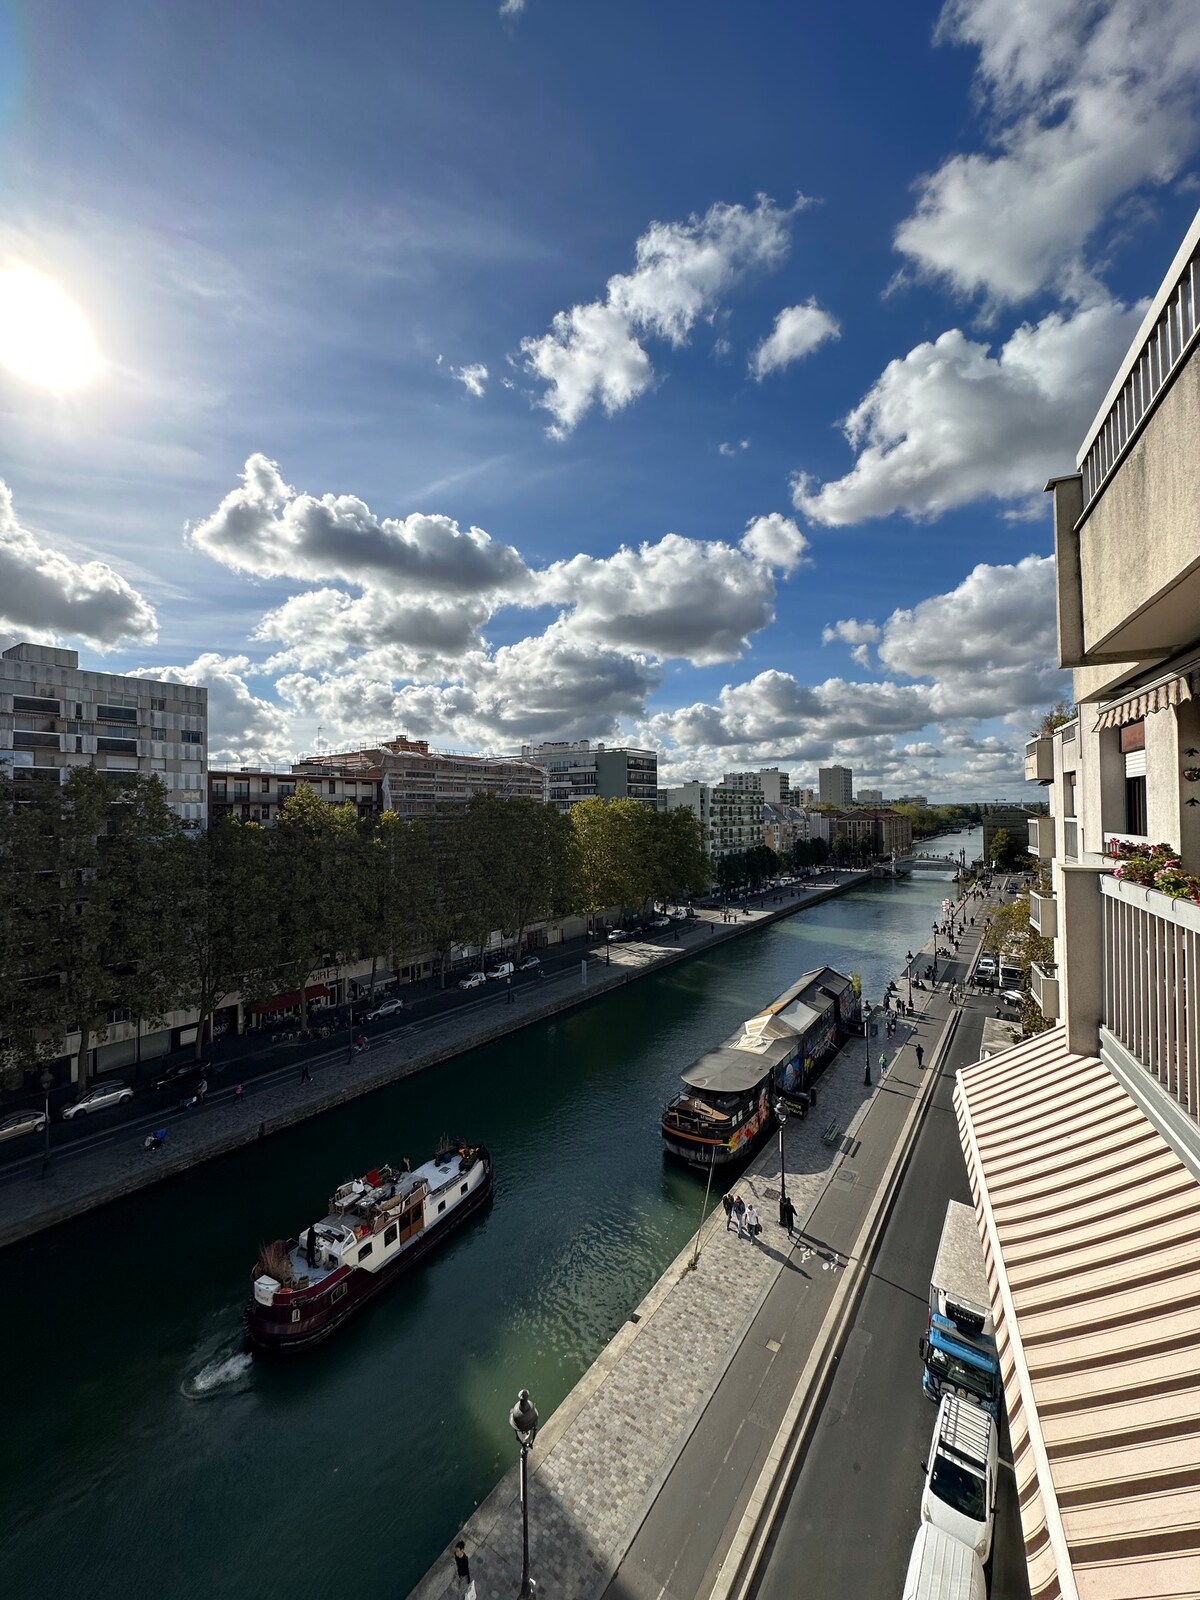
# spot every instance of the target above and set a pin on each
(836, 785)
(737, 818)
(54, 716)
(585, 771)
(773, 785)
(800, 797)
(1083, 1142)
(252, 794)
(870, 797)
(784, 826)
(415, 780)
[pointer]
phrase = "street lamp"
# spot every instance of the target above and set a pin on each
(523, 1419)
(781, 1118)
(47, 1083)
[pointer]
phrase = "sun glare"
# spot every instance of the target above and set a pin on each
(43, 336)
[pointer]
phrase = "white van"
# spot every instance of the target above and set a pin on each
(942, 1569)
(960, 1484)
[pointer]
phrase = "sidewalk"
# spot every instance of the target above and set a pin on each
(660, 1446)
(115, 1164)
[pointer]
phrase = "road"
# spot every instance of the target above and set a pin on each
(850, 1519)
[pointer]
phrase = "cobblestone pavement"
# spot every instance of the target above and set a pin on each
(601, 1459)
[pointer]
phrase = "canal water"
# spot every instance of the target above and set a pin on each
(143, 1452)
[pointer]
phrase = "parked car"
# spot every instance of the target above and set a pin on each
(386, 1008)
(530, 964)
(504, 970)
(473, 980)
(19, 1122)
(104, 1094)
(940, 1568)
(986, 966)
(174, 1077)
(960, 1486)
(660, 922)
(616, 934)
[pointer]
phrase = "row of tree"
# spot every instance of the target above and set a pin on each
(110, 910)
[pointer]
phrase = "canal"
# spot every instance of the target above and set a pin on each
(143, 1452)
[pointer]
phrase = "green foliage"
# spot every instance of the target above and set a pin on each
(1060, 713)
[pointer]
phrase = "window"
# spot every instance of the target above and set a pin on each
(295, 1313)
(333, 785)
(1135, 805)
(337, 1293)
(158, 733)
(389, 1234)
(78, 708)
(188, 737)
(463, 1190)
(241, 789)
(117, 713)
(35, 703)
(366, 1250)
(1069, 794)
(441, 1206)
(158, 705)
(266, 785)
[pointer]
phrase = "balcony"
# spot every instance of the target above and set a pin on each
(1041, 838)
(1152, 983)
(1043, 914)
(1043, 981)
(1039, 760)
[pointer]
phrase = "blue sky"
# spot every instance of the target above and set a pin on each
(687, 373)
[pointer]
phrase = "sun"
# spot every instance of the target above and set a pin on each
(43, 336)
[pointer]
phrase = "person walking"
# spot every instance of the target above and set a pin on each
(305, 1074)
(919, 1052)
(239, 1094)
(787, 1215)
(883, 1066)
(727, 1202)
(752, 1221)
(739, 1214)
(462, 1567)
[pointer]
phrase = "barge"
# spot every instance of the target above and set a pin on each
(727, 1107)
(376, 1227)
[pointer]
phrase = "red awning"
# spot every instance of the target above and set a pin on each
(289, 1002)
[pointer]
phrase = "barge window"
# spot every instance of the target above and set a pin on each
(463, 1190)
(295, 1313)
(441, 1206)
(389, 1235)
(337, 1293)
(366, 1250)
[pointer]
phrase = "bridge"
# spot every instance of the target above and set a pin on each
(928, 863)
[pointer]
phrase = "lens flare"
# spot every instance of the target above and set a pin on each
(43, 336)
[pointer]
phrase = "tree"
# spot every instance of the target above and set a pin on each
(1060, 713)
(30, 1009)
(680, 866)
(1006, 851)
(532, 865)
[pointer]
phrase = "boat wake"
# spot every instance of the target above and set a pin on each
(218, 1376)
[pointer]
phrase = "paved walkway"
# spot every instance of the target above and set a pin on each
(602, 1461)
(108, 1163)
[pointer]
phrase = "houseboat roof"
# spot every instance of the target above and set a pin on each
(730, 1070)
(769, 1038)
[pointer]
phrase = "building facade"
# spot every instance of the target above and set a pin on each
(1083, 1142)
(416, 780)
(870, 797)
(773, 785)
(836, 785)
(585, 771)
(251, 794)
(55, 716)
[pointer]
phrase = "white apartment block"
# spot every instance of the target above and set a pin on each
(53, 717)
(417, 780)
(836, 785)
(773, 785)
(1083, 1142)
(870, 797)
(585, 771)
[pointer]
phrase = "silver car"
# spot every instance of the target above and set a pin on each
(104, 1094)
(19, 1122)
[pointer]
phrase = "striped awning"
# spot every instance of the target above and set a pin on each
(1158, 697)
(1091, 1230)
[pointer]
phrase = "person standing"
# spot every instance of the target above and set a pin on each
(727, 1202)
(462, 1567)
(739, 1213)
(920, 1055)
(310, 1246)
(752, 1221)
(787, 1215)
(883, 1066)
(305, 1074)
(238, 1094)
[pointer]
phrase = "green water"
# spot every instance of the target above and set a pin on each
(143, 1453)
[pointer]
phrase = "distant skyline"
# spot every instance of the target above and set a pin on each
(492, 373)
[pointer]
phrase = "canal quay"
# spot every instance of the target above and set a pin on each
(147, 1448)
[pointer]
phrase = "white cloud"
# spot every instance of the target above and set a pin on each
(592, 353)
(851, 631)
(679, 597)
(406, 638)
(271, 529)
(44, 593)
(473, 378)
(1087, 100)
(242, 728)
(797, 332)
(951, 423)
(727, 449)
(512, 8)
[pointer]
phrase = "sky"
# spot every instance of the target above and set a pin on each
(679, 374)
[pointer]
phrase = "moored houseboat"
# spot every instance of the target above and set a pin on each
(375, 1228)
(727, 1107)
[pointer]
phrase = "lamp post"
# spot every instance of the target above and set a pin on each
(523, 1419)
(47, 1083)
(781, 1118)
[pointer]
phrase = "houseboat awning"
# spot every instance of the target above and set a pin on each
(1091, 1224)
(730, 1071)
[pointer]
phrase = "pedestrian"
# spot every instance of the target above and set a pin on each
(919, 1052)
(310, 1246)
(238, 1094)
(406, 1164)
(752, 1223)
(462, 1567)
(739, 1213)
(509, 987)
(787, 1215)
(305, 1074)
(727, 1202)
(883, 1066)
(201, 1089)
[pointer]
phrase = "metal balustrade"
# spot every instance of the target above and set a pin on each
(1152, 984)
(1164, 350)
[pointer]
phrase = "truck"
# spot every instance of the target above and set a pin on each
(958, 1348)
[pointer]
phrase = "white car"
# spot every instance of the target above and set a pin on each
(473, 980)
(385, 1008)
(19, 1122)
(960, 1486)
(614, 935)
(986, 966)
(504, 970)
(104, 1094)
(660, 922)
(530, 964)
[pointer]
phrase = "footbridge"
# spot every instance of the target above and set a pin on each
(928, 862)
